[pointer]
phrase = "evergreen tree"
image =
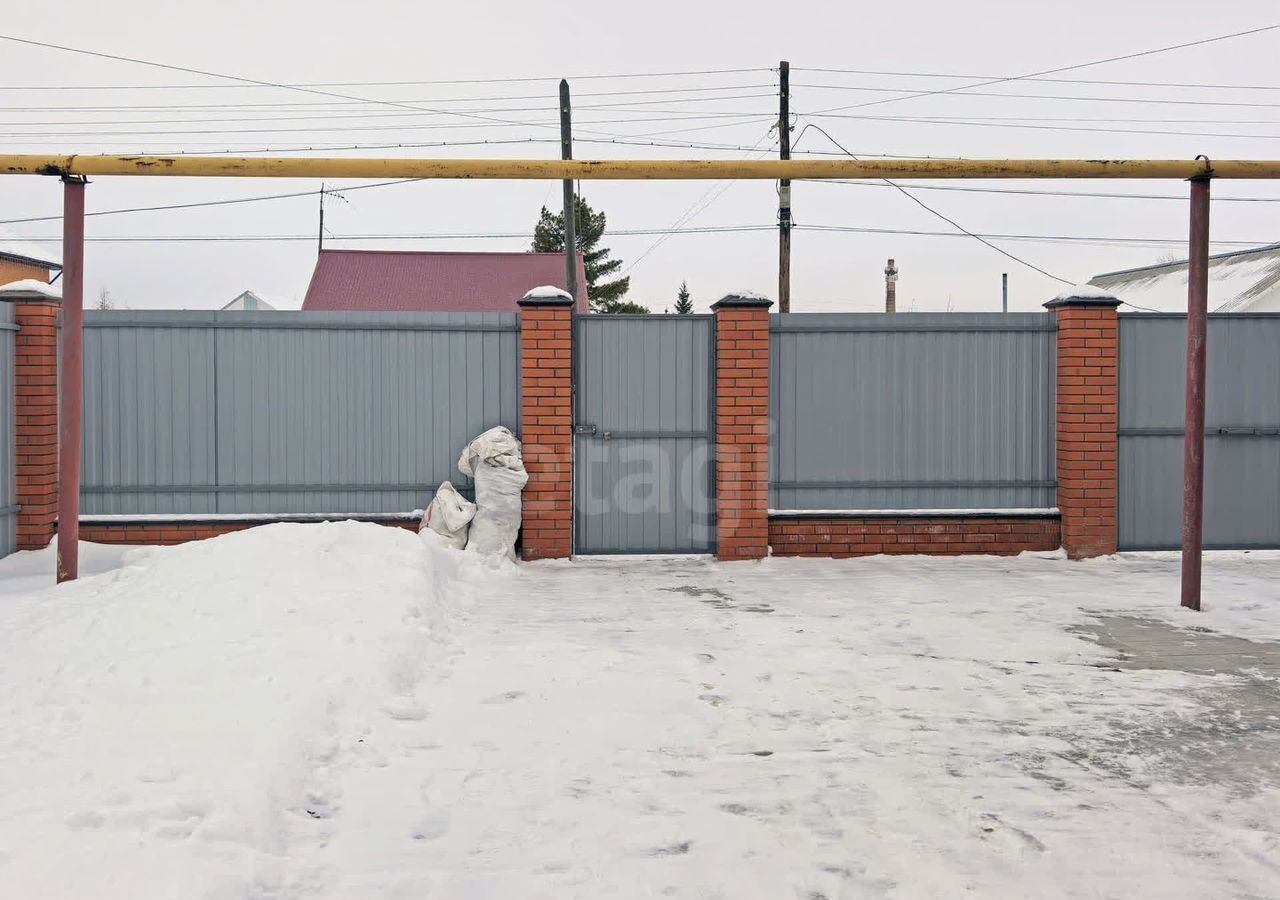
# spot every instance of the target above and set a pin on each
(684, 305)
(548, 237)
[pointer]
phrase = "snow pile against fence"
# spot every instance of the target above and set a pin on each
(172, 728)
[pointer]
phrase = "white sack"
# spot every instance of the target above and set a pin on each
(493, 460)
(449, 516)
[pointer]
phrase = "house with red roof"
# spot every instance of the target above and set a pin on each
(412, 281)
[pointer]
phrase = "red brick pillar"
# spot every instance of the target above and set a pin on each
(36, 415)
(546, 424)
(742, 427)
(1088, 411)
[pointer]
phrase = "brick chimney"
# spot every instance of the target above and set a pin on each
(890, 287)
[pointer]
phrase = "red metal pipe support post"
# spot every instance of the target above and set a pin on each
(1193, 431)
(71, 379)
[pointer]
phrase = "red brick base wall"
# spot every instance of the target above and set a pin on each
(179, 532)
(935, 535)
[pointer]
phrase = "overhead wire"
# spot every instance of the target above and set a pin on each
(643, 232)
(1098, 81)
(1054, 71)
(932, 211)
(321, 84)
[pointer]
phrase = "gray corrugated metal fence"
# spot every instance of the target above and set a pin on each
(8, 399)
(287, 412)
(1242, 426)
(912, 411)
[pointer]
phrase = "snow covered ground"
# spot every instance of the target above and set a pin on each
(350, 711)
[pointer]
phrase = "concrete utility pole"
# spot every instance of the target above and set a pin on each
(1193, 430)
(784, 188)
(570, 223)
(1004, 292)
(891, 287)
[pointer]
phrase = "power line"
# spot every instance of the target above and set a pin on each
(236, 78)
(1055, 71)
(343, 115)
(323, 84)
(1098, 81)
(1039, 193)
(1066, 97)
(205, 203)
(643, 232)
(393, 126)
(841, 181)
(700, 205)
(931, 210)
(925, 120)
(1035, 238)
(339, 103)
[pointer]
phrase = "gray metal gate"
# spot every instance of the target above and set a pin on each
(1242, 431)
(644, 400)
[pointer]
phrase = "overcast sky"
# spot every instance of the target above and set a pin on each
(287, 41)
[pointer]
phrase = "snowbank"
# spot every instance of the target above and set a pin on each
(171, 728)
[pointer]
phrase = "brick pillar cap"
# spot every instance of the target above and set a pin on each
(28, 290)
(547, 295)
(1084, 295)
(742, 300)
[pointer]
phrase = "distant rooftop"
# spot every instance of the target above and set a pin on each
(23, 251)
(1240, 281)
(249, 301)
(411, 281)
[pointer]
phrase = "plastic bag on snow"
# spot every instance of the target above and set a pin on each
(493, 459)
(449, 516)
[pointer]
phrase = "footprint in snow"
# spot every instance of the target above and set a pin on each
(503, 698)
(430, 827)
(405, 709)
(85, 818)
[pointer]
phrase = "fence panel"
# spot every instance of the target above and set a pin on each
(285, 412)
(1242, 429)
(875, 411)
(8, 400)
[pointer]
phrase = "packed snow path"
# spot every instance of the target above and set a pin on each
(899, 727)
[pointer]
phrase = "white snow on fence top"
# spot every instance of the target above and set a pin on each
(31, 286)
(548, 290)
(1086, 292)
(747, 295)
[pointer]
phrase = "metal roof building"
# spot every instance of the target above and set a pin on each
(407, 281)
(1240, 281)
(248, 301)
